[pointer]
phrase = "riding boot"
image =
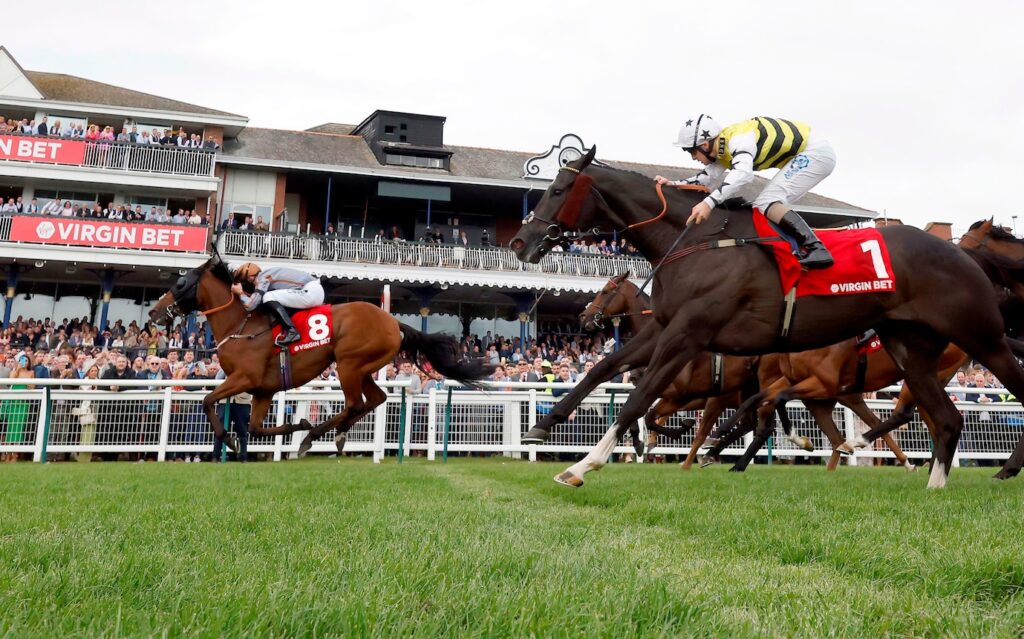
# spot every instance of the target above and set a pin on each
(288, 332)
(813, 253)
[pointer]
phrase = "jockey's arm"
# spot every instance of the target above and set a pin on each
(742, 149)
(708, 177)
(262, 284)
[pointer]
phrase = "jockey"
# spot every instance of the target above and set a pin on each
(731, 155)
(275, 288)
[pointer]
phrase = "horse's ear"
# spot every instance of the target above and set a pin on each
(585, 161)
(622, 277)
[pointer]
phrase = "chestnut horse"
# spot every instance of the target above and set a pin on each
(824, 376)
(364, 339)
(717, 289)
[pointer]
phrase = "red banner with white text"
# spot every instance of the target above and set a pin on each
(49, 150)
(72, 231)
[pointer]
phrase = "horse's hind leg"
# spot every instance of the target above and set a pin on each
(712, 410)
(821, 410)
(355, 408)
(916, 349)
(860, 408)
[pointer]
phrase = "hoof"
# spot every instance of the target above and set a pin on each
(639, 447)
(911, 468)
(737, 469)
(1006, 473)
(708, 460)
(304, 447)
(712, 442)
(231, 441)
(339, 441)
(804, 443)
(536, 436)
(568, 479)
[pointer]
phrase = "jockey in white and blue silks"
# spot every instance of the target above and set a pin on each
(275, 288)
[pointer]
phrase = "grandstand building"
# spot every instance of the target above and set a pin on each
(331, 199)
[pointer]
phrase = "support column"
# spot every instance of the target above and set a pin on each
(107, 288)
(615, 324)
(12, 286)
(425, 296)
(524, 304)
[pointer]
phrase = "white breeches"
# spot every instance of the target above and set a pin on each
(800, 175)
(310, 295)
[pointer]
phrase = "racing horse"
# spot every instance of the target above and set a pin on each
(364, 339)
(832, 371)
(716, 288)
(712, 382)
(824, 376)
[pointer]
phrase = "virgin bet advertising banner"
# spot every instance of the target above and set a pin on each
(71, 231)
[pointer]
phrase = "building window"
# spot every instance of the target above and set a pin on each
(413, 160)
(389, 128)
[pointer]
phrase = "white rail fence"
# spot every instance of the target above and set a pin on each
(341, 249)
(58, 416)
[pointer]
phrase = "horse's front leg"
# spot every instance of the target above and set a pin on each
(635, 353)
(678, 344)
(233, 385)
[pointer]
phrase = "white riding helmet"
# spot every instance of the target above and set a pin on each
(697, 131)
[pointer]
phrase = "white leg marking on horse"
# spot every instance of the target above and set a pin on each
(938, 477)
(597, 457)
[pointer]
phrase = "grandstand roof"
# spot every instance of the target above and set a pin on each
(69, 88)
(330, 147)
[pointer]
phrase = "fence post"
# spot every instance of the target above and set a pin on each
(432, 424)
(165, 426)
(228, 427)
(531, 420)
(513, 437)
(850, 428)
(379, 431)
(43, 428)
(278, 421)
(401, 428)
(769, 444)
(447, 425)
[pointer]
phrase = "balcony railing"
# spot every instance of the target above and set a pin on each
(115, 156)
(149, 159)
(397, 253)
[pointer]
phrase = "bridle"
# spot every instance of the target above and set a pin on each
(982, 243)
(599, 315)
(568, 214)
(174, 310)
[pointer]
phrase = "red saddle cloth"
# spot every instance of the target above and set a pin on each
(314, 325)
(861, 262)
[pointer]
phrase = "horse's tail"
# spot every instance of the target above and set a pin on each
(443, 353)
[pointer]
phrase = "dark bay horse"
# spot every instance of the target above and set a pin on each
(712, 382)
(814, 377)
(365, 339)
(716, 291)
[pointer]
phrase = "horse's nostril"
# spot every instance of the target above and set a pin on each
(517, 244)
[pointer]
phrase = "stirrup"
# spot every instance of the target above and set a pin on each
(816, 258)
(287, 337)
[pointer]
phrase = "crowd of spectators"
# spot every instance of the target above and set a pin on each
(118, 212)
(129, 134)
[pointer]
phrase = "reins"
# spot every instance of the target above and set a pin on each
(664, 202)
(221, 307)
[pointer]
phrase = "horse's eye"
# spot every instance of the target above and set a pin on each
(557, 192)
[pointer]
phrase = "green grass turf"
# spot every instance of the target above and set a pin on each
(485, 548)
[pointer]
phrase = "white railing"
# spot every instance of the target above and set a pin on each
(58, 417)
(398, 253)
(149, 158)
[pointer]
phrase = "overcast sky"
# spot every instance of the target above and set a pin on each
(923, 101)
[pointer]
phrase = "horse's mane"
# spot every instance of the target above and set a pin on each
(220, 270)
(997, 232)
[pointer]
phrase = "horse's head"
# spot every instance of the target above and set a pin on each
(569, 205)
(183, 297)
(986, 235)
(613, 299)
(977, 235)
